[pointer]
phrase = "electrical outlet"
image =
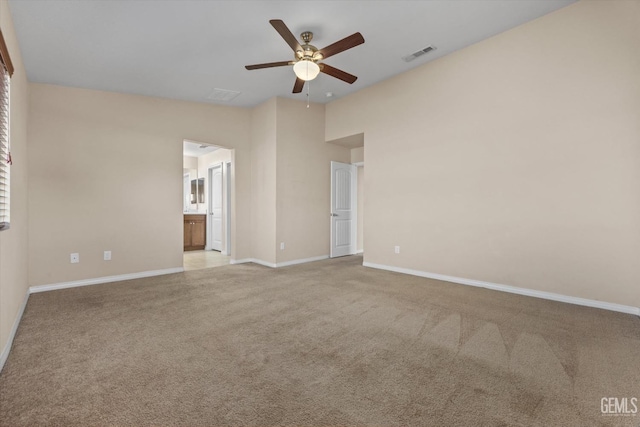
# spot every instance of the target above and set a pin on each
(107, 255)
(282, 246)
(75, 258)
(397, 249)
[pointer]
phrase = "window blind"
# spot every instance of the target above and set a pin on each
(6, 68)
(5, 171)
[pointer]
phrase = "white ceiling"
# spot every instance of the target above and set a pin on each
(183, 49)
(197, 149)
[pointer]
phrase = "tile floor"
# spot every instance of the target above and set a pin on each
(197, 260)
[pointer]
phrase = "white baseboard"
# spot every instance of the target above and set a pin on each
(277, 265)
(512, 289)
(253, 260)
(105, 279)
(301, 261)
(16, 322)
(360, 252)
(261, 262)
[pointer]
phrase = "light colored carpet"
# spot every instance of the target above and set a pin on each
(326, 343)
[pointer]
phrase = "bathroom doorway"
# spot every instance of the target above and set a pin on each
(207, 205)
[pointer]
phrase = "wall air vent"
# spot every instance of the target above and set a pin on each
(222, 95)
(421, 52)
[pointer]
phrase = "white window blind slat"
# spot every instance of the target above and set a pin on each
(5, 168)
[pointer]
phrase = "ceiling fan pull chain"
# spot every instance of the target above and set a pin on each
(308, 85)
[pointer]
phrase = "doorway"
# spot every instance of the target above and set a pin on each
(211, 167)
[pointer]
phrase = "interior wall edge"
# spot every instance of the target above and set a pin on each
(14, 329)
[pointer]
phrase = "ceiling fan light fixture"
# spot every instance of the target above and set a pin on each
(307, 58)
(306, 69)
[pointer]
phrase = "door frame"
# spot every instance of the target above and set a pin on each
(209, 237)
(226, 178)
(359, 166)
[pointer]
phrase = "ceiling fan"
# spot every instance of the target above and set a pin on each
(307, 58)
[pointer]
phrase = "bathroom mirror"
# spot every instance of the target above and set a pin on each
(197, 191)
(193, 190)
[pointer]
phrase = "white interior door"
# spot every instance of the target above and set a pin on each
(215, 207)
(343, 209)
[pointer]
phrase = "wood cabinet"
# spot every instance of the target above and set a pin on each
(195, 232)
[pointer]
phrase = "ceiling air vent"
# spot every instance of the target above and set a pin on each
(421, 52)
(222, 95)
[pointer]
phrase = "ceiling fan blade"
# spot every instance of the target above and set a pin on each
(340, 46)
(337, 73)
(286, 34)
(268, 65)
(297, 87)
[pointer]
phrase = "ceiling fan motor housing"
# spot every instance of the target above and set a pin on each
(308, 51)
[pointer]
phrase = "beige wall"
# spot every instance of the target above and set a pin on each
(515, 161)
(106, 174)
(13, 242)
(263, 181)
(303, 180)
(104, 163)
(357, 155)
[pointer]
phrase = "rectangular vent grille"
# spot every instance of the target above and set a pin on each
(421, 52)
(223, 95)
